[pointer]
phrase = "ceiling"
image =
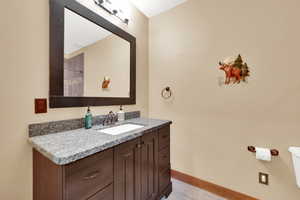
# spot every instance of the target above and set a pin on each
(80, 32)
(154, 7)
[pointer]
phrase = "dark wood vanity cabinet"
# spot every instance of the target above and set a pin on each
(90, 178)
(135, 170)
(164, 165)
(127, 170)
(85, 178)
(149, 166)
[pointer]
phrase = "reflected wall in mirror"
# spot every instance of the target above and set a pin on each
(92, 54)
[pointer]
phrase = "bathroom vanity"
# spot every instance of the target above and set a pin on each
(102, 163)
(90, 165)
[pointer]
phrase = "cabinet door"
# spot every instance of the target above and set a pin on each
(164, 159)
(127, 171)
(149, 166)
(105, 194)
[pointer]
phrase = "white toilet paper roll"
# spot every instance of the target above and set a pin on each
(263, 154)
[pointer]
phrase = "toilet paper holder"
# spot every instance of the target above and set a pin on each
(274, 152)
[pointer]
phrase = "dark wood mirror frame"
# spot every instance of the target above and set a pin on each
(56, 93)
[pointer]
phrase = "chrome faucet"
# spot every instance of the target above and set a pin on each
(110, 119)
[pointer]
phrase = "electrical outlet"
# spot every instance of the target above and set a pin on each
(263, 178)
(40, 106)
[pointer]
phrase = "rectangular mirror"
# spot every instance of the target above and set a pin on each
(92, 61)
(91, 56)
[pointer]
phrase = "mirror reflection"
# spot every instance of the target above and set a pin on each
(96, 62)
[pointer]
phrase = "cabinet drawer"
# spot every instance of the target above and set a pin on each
(87, 176)
(105, 194)
(164, 158)
(164, 179)
(164, 137)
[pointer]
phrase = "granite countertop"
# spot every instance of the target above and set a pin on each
(65, 147)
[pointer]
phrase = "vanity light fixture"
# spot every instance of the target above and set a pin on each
(106, 5)
(109, 7)
(120, 14)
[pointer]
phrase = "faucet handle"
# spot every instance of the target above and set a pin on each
(116, 118)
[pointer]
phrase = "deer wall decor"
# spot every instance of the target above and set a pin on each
(235, 70)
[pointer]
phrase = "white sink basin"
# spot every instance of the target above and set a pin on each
(117, 130)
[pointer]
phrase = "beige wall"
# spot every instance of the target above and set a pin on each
(214, 124)
(24, 56)
(108, 57)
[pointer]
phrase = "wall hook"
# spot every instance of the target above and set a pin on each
(166, 93)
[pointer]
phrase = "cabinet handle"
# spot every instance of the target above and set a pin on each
(127, 155)
(140, 144)
(164, 136)
(92, 175)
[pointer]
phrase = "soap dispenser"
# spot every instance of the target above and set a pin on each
(121, 114)
(88, 119)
